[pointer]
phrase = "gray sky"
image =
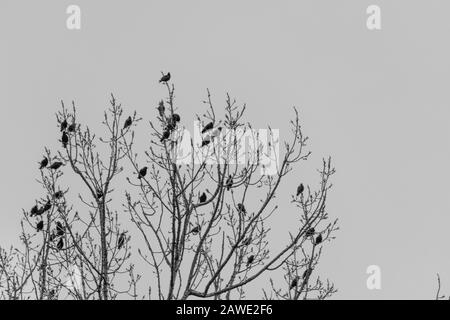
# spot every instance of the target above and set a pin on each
(376, 101)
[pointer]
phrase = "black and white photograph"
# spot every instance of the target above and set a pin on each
(225, 151)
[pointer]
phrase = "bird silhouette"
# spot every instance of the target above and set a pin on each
(43, 163)
(40, 225)
(202, 198)
(247, 241)
(56, 165)
(128, 122)
(293, 283)
(47, 206)
(195, 230)
(307, 273)
(300, 189)
(176, 117)
(121, 240)
(208, 127)
(229, 182)
(99, 194)
(165, 78)
(310, 232)
(206, 141)
(34, 211)
(319, 239)
(165, 135)
(72, 127)
(58, 194)
(64, 139)
(64, 125)
(161, 108)
(250, 260)
(60, 244)
(142, 172)
(241, 208)
(59, 229)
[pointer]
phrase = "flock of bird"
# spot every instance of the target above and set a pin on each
(208, 132)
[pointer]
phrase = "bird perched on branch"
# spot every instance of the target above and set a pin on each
(72, 127)
(47, 206)
(319, 239)
(56, 165)
(250, 260)
(63, 125)
(176, 117)
(307, 273)
(241, 208)
(165, 78)
(99, 194)
(121, 240)
(128, 122)
(208, 127)
(294, 283)
(34, 211)
(195, 230)
(40, 225)
(58, 194)
(202, 198)
(64, 139)
(206, 141)
(310, 232)
(142, 172)
(229, 182)
(300, 189)
(43, 163)
(161, 108)
(165, 135)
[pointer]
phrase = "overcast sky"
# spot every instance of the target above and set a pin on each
(376, 101)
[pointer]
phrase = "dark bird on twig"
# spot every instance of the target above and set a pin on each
(128, 122)
(64, 125)
(40, 225)
(300, 189)
(99, 194)
(59, 229)
(43, 163)
(171, 125)
(65, 139)
(206, 141)
(56, 165)
(165, 78)
(247, 241)
(241, 208)
(121, 241)
(208, 127)
(60, 244)
(319, 239)
(47, 206)
(165, 135)
(72, 127)
(142, 172)
(58, 194)
(202, 198)
(307, 273)
(176, 117)
(34, 211)
(293, 283)
(310, 232)
(195, 230)
(250, 260)
(161, 108)
(229, 182)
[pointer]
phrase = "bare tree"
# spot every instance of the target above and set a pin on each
(203, 209)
